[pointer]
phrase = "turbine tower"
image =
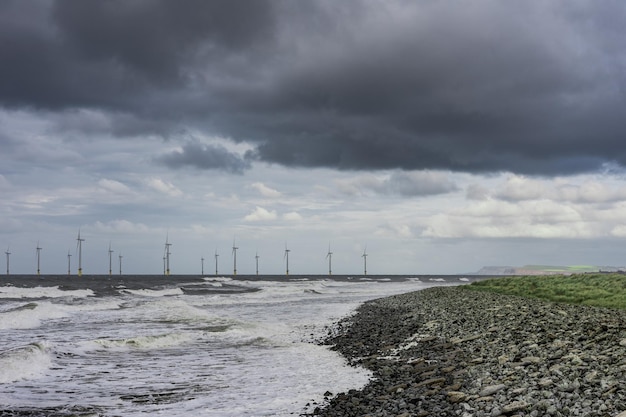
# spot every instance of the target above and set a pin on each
(256, 257)
(69, 270)
(234, 258)
(202, 268)
(7, 253)
(167, 255)
(329, 255)
(287, 260)
(110, 260)
(216, 256)
(364, 256)
(79, 246)
(120, 256)
(38, 258)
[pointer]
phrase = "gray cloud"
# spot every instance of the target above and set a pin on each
(534, 87)
(205, 157)
(407, 184)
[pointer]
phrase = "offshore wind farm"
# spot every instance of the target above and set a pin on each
(167, 260)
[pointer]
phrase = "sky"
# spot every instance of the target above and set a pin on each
(435, 137)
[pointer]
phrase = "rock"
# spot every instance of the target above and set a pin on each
(535, 359)
(514, 406)
(545, 382)
(528, 360)
(490, 390)
(431, 381)
(456, 396)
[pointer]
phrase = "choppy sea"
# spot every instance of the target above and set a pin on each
(179, 345)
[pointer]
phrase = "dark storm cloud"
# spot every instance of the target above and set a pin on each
(117, 55)
(533, 87)
(205, 157)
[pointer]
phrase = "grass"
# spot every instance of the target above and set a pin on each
(600, 290)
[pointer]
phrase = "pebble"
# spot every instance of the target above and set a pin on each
(451, 351)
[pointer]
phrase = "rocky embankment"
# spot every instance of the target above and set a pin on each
(450, 351)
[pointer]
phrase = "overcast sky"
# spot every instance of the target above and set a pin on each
(442, 137)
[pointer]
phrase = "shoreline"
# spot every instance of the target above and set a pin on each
(451, 351)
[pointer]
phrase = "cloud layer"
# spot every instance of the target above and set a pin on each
(534, 87)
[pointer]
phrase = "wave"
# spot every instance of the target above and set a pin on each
(165, 292)
(217, 279)
(146, 342)
(30, 315)
(42, 292)
(24, 362)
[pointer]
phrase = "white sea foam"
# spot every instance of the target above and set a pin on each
(146, 342)
(30, 316)
(25, 362)
(217, 279)
(42, 292)
(155, 293)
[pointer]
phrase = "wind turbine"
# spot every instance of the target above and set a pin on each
(69, 270)
(216, 256)
(79, 246)
(286, 257)
(234, 258)
(202, 262)
(364, 256)
(110, 263)
(256, 257)
(7, 253)
(167, 255)
(120, 256)
(38, 258)
(329, 255)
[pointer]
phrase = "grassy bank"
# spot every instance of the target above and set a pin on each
(601, 290)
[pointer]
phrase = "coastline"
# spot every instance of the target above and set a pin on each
(450, 351)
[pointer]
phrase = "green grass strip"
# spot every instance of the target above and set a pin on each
(600, 290)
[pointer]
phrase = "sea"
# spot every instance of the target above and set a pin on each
(180, 345)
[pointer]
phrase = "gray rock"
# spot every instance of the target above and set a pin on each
(490, 390)
(449, 351)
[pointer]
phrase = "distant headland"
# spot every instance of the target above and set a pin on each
(546, 269)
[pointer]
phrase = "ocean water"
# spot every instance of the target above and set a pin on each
(179, 345)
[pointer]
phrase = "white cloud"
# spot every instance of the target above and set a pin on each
(395, 230)
(265, 191)
(260, 214)
(591, 192)
(164, 187)
(520, 188)
(573, 190)
(113, 186)
(121, 225)
(292, 216)
(500, 219)
(619, 231)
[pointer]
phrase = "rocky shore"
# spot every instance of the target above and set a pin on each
(450, 351)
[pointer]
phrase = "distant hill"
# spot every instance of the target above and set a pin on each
(546, 269)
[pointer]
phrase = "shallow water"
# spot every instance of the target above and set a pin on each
(178, 346)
